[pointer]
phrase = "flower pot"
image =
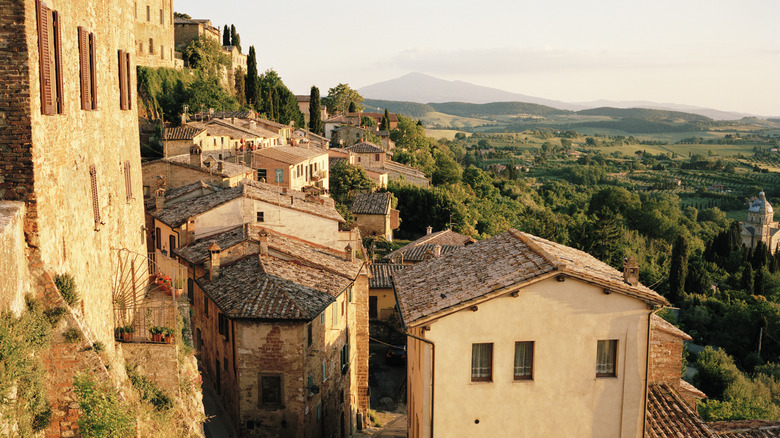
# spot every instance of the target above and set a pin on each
(157, 337)
(127, 337)
(178, 292)
(168, 339)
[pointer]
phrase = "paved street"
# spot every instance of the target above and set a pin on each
(217, 424)
(388, 394)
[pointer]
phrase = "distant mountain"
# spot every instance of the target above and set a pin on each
(421, 88)
(650, 115)
(425, 89)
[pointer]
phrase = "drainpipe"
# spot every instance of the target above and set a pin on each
(433, 371)
(647, 367)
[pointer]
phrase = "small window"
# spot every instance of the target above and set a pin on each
(606, 358)
(376, 157)
(309, 335)
(260, 216)
(158, 238)
(524, 360)
(224, 326)
(162, 52)
(171, 244)
(87, 69)
(262, 175)
(148, 14)
(205, 304)
(319, 411)
(162, 17)
(324, 371)
(344, 357)
(151, 46)
(270, 391)
(482, 362)
(278, 175)
(322, 318)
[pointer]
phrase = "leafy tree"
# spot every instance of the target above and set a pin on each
(225, 36)
(252, 80)
(205, 54)
(235, 38)
(181, 15)
(347, 179)
(281, 105)
(367, 121)
(315, 115)
(339, 98)
(385, 124)
(716, 372)
(447, 170)
(678, 269)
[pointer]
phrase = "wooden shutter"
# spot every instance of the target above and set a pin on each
(86, 101)
(57, 18)
(122, 80)
(128, 182)
(47, 102)
(129, 88)
(93, 69)
(95, 200)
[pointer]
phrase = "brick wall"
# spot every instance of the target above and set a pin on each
(666, 347)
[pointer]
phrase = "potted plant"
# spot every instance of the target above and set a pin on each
(179, 288)
(157, 333)
(127, 333)
(169, 334)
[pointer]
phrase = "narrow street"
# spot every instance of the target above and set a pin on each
(388, 394)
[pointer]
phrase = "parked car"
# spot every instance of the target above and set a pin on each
(396, 354)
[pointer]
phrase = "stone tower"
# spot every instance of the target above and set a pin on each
(69, 140)
(760, 225)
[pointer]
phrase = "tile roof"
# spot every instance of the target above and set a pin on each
(668, 415)
(382, 275)
(178, 214)
(229, 170)
(307, 253)
(661, 324)
(240, 130)
(172, 194)
(263, 287)
(224, 115)
(289, 154)
(372, 203)
(181, 133)
(746, 428)
(511, 258)
(365, 147)
(425, 252)
(443, 238)
(342, 119)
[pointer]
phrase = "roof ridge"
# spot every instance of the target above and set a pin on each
(528, 241)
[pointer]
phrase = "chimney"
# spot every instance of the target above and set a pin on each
(429, 230)
(219, 166)
(252, 124)
(437, 250)
(196, 156)
(631, 271)
(159, 199)
(214, 250)
(233, 120)
(350, 256)
(263, 242)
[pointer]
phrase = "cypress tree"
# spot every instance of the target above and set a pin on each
(679, 269)
(747, 278)
(385, 124)
(352, 108)
(252, 83)
(225, 36)
(315, 117)
(759, 284)
(234, 38)
(269, 105)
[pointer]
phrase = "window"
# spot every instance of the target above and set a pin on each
(148, 14)
(309, 335)
(151, 46)
(87, 69)
(278, 175)
(482, 362)
(224, 364)
(260, 216)
(162, 52)
(224, 326)
(606, 358)
(171, 244)
(344, 358)
(205, 304)
(310, 383)
(351, 294)
(158, 238)
(125, 90)
(270, 391)
(324, 371)
(95, 199)
(322, 318)
(524, 360)
(50, 43)
(128, 183)
(335, 320)
(376, 157)
(162, 17)
(135, 9)
(319, 411)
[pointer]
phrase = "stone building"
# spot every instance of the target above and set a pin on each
(237, 61)
(375, 215)
(185, 30)
(182, 170)
(282, 329)
(760, 225)
(154, 33)
(381, 297)
(292, 167)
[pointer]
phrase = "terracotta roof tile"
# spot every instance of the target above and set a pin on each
(443, 238)
(661, 324)
(289, 154)
(746, 428)
(382, 275)
(372, 203)
(181, 133)
(477, 270)
(366, 148)
(229, 170)
(668, 415)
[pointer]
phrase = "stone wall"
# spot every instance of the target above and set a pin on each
(158, 362)
(374, 225)
(15, 282)
(666, 348)
(160, 32)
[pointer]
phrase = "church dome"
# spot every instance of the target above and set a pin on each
(761, 205)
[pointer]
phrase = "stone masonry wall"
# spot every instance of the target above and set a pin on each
(15, 282)
(160, 33)
(665, 358)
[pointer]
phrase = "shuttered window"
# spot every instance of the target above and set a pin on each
(128, 183)
(57, 20)
(95, 200)
(88, 69)
(122, 80)
(127, 77)
(50, 42)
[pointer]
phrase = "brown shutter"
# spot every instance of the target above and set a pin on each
(86, 101)
(58, 61)
(129, 82)
(128, 182)
(47, 103)
(93, 69)
(95, 200)
(122, 81)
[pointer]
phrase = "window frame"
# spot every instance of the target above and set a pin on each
(260, 216)
(529, 360)
(475, 377)
(278, 390)
(611, 352)
(223, 326)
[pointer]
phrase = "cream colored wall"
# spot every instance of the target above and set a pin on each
(385, 302)
(565, 320)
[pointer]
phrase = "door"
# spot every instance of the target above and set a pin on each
(372, 304)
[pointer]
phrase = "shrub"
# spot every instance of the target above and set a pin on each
(98, 347)
(54, 315)
(148, 391)
(102, 414)
(67, 286)
(72, 336)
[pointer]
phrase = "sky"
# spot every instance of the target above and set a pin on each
(716, 54)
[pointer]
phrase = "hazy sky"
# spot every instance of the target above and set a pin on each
(712, 53)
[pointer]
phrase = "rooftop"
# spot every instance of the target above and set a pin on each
(178, 214)
(181, 133)
(444, 238)
(289, 154)
(264, 287)
(372, 203)
(499, 263)
(228, 170)
(668, 415)
(382, 275)
(366, 147)
(198, 186)
(241, 129)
